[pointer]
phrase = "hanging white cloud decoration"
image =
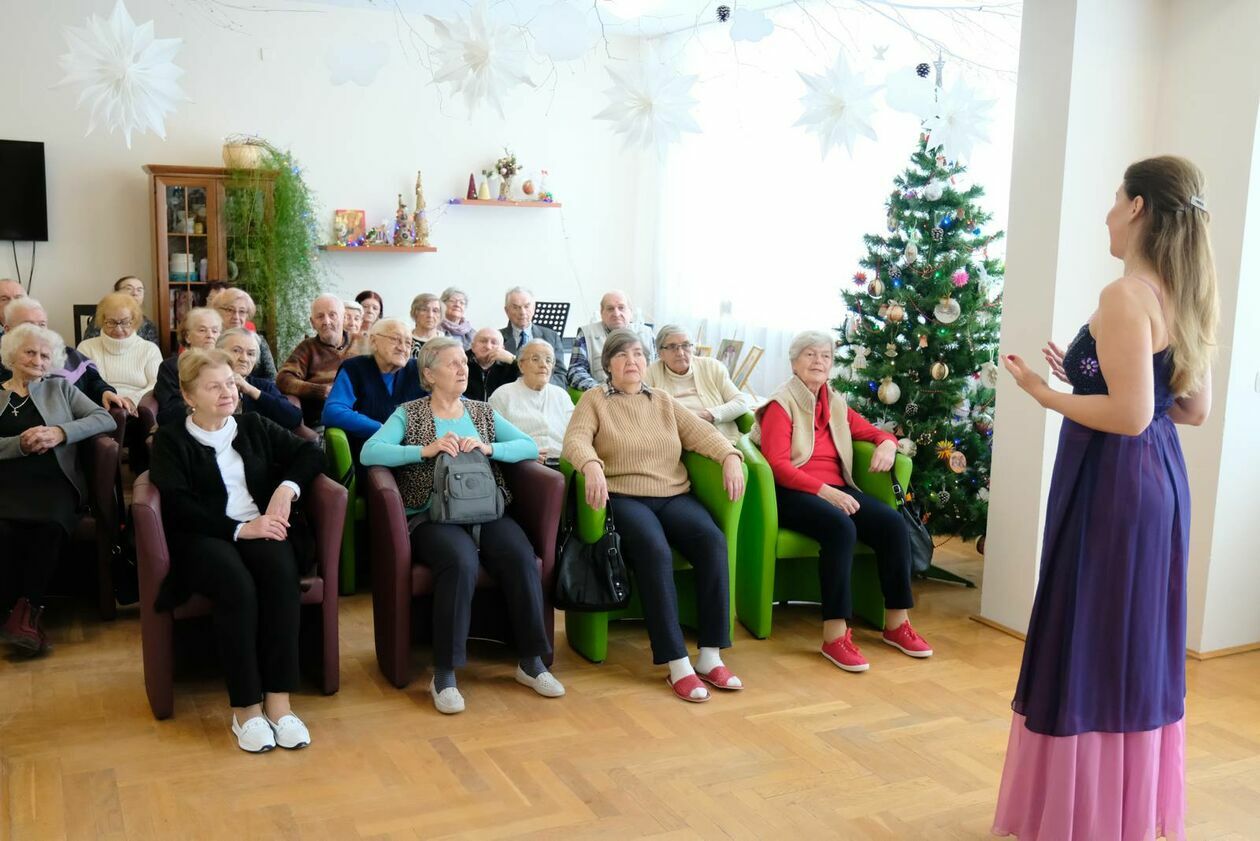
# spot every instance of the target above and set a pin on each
(905, 90)
(358, 63)
(960, 121)
(560, 32)
(126, 74)
(838, 105)
(750, 25)
(480, 58)
(650, 106)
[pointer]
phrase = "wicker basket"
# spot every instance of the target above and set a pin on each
(242, 155)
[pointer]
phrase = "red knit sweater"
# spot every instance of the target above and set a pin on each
(823, 466)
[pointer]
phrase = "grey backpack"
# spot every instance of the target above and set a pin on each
(465, 492)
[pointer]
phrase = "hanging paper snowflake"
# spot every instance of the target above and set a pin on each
(480, 58)
(838, 105)
(126, 74)
(960, 121)
(650, 107)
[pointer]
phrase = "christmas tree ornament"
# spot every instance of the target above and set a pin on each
(989, 375)
(938, 234)
(859, 359)
(960, 278)
(723, 14)
(907, 448)
(983, 496)
(912, 409)
(961, 410)
(984, 424)
(922, 69)
(882, 312)
(934, 191)
(957, 462)
(890, 351)
(960, 122)
(924, 439)
(838, 106)
(889, 392)
(944, 449)
(947, 311)
(896, 312)
(939, 371)
(894, 271)
(859, 279)
(651, 106)
(944, 497)
(911, 253)
(947, 222)
(875, 288)
(886, 425)
(892, 223)
(923, 341)
(472, 187)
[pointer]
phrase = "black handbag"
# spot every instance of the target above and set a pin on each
(590, 577)
(921, 546)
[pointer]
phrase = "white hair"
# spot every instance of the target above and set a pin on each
(808, 339)
(383, 324)
(669, 330)
(517, 290)
(17, 305)
(352, 305)
(327, 296)
(17, 338)
(542, 343)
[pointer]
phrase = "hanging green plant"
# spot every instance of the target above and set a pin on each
(273, 238)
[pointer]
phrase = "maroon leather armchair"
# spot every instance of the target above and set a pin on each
(325, 506)
(402, 588)
(98, 457)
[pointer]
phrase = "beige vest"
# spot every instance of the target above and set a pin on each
(799, 402)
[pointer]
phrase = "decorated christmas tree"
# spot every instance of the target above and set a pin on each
(918, 348)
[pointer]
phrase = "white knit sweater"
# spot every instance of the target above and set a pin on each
(542, 415)
(130, 365)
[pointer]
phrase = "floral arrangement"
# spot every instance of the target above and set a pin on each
(507, 166)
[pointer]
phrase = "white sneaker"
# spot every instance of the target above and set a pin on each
(448, 701)
(254, 736)
(545, 684)
(290, 732)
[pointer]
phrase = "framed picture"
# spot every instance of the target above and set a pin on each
(728, 353)
(745, 369)
(704, 350)
(349, 226)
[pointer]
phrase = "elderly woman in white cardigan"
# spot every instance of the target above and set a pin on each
(533, 404)
(701, 383)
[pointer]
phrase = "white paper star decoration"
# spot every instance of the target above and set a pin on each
(126, 74)
(650, 106)
(838, 105)
(960, 121)
(480, 58)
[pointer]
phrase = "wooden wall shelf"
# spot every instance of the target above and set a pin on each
(343, 249)
(497, 203)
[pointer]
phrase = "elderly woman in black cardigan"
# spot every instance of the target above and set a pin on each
(228, 484)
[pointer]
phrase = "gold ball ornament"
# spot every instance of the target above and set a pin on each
(889, 392)
(896, 312)
(957, 462)
(947, 311)
(939, 371)
(875, 288)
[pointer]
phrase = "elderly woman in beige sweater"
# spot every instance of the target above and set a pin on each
(627, 439)
(701, 383)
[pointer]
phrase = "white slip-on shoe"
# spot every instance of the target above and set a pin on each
(545, 684)
(254, 736)
(291, 733)
(448, 701)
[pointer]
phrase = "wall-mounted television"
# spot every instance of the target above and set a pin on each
(23, 193)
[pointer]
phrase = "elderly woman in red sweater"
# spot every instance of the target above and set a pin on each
(806, 432)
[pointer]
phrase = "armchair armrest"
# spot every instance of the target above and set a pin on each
(303, 431)
(590, 523)
(391, 541)
(879, 485)
(340, 462)
(100, 460)
(537, 497)
(153, 559)
(120, 423)
(706, 484)
(326, 506)
(745, 422)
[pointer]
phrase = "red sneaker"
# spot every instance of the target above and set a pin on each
(22, 629)
(905, 638)
(845, 653)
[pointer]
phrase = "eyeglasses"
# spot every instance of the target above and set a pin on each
(241, 313)
(674, 348)
(397, 341)
(538, 357)
(126, 322)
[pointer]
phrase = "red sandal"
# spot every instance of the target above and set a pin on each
(719, 677)
(686, 686)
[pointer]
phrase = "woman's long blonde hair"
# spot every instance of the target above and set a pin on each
(1175, 240)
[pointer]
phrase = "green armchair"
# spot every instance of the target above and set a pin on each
(780, 565)
(587, 633)
(341, 468)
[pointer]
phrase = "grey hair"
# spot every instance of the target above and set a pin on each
(617, 341)
(430, 352)
(420, 300)
(328, 296)
(193, 314)
(235, 331)
(667, 331)
(543, 343)
(15, 339)
(515, 290)
(383, 324)
(808, 339)
(17, 305)
(450, 292)
(352, 305)
(231, 293)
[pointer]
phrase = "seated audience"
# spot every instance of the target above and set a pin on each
(627, 440)
(42, 420)
(373, 307)
(426, 312)
(77, 369)
(10, 290)
(200, 329)
(806, 432)
(133, 286)
(518, 303)
(126, 361)
(228, 485)
(454, 303)
(258, 394)
(489, 365)
(585, 368)
(701, 383)
(309, 371)
(236, 307)
(368, 388)
(533, 404)
(409, 442)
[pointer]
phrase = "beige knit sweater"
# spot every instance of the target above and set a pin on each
(639, 439)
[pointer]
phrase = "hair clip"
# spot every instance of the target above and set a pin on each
(1198, 202)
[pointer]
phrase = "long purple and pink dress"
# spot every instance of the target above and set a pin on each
(1096, 750)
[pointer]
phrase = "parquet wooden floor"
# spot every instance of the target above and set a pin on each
(909, 750)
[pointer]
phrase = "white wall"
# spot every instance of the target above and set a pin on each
(359, 146)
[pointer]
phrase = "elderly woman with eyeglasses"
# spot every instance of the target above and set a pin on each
(701, 383)
(454, 304)
(236, 308)
(133, 286)
(426, 312)
(126, 361)
(258, 394)
(201, 329)
(533, 404)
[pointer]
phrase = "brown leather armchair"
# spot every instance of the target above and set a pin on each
(325, 506)
(98, 456)
(402, 589)
(303, 431)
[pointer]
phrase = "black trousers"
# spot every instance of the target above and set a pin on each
(256, 590)
(31, 550)
(508, 557)
(875, 524)
(649, 526)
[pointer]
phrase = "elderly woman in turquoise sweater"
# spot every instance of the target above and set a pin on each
(409, 442)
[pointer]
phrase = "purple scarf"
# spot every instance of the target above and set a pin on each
(462, 331)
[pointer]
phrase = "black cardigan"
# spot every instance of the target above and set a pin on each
(194, 498)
